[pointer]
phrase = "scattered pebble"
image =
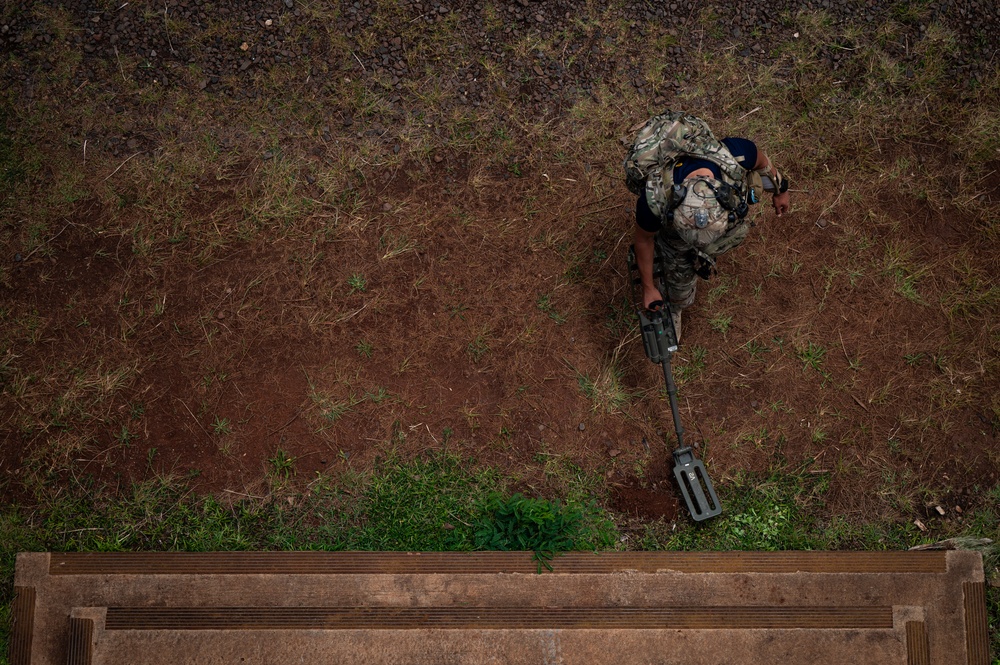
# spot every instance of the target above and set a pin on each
(582, 427)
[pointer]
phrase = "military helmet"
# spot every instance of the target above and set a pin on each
(700, 215)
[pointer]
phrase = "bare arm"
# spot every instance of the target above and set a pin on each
(781, 200)
(644, 260)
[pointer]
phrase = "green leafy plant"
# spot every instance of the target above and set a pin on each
(282, 464)
(522, 523)
(811, 355)
(221, 425)
(357, 283)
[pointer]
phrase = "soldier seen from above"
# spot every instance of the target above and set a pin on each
(694, 192)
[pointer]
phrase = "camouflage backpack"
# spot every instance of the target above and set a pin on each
(660, 143)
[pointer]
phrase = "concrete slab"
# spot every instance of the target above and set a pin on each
(357, 607)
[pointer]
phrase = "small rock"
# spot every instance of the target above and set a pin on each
(220, 315)
(614, 452)
(289, 3)
(18, 258)
(822, 223)
(582, 427)
(322, 461)
(386, 207)
(310, 179)
(244, 46)
(267, 155)
(438, 159)
(448, 526)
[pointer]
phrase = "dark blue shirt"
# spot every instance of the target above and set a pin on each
(745, 152)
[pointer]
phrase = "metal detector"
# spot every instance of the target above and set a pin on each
(659, 340)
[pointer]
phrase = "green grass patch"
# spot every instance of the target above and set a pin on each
(438, 503)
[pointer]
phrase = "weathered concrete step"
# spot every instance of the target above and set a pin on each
(815, 607)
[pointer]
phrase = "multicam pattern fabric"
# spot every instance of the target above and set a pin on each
(674, 255)
(660, 142)
(700, 225)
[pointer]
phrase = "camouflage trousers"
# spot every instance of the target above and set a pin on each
(677, 261)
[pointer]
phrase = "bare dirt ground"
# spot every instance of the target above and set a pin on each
(253, 232)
